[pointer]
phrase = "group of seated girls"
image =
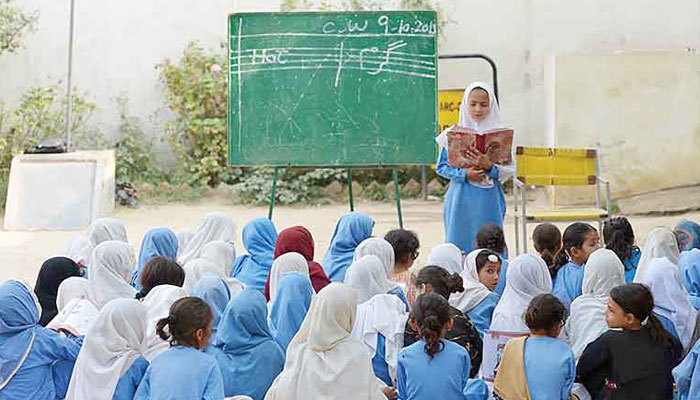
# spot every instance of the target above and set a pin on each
(188, 319)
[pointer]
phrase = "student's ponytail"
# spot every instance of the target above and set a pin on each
(619, 237)
(455, 284)
(491, 237)
(574, 237)
(636, 299)
(186, 317)
(547, 240)
(439, 280)
(431, 313)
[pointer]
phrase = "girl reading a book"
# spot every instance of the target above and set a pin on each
(475, 195)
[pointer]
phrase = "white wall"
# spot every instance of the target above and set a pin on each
(119, 43)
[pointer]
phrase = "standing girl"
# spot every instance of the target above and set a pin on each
(634, 361)
(184, 372)
(579, 242)
(475, 196)
(619, 237)
(432, 367)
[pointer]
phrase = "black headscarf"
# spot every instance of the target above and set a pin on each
(54, 271)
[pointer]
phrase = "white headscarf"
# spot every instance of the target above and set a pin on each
(72, 288)
(474, 291)
(183, 239)
(527, 277)
(383, 314)
(670, 297)
(288, 262)
(448, 257)
(101, 230)
(79, 250)
(157, 303)
(111, 346)
(199, 267)
(604, 271)
(367, 277)
(220, 253)
(661, 243)
(214, 226)
(110, 272)
(323, 360)
(380, 248)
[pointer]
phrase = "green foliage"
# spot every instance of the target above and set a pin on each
(293, 185)
(14, 25)
(196, 93)
(133, 149)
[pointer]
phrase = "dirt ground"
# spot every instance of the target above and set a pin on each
(21, 253)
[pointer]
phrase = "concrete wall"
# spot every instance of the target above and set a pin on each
(119, 43)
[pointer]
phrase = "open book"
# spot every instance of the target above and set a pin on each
(76, 317)
(498, 144)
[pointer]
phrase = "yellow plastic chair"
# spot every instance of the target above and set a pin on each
(542, 166)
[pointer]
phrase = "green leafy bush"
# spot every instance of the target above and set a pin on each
(133, 150)
(14, 24)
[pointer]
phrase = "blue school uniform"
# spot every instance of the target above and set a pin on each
(349, 232)
(687, 375)
(217, 294)
(249, 357)
(444, 377)
(568, 282)
(294, 293)
(550, 368)
(157, 242)
(130, 380)
(481, 314)
(689, 265)
(468, 207)
(631, 264)
(398, 292)
(476, 389)
(502, 278)
(381, 368)
(29, 350)
(668, 325)
(259, 238)
(181, 373)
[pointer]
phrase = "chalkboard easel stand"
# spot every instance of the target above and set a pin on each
(351, 201)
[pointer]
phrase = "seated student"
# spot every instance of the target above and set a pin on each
(158, 242)
(432, 367)
(660, 243)
(406, 245)
(214, 226)
(491, 237)
(687, 375)
(383, 250)
(546, 238)
(462, 331)
(480, 278)
(110, 365)
(52, 273)
(289, 262)
(298, 239)
(324, 361)
(110, 272)
(247, 354)
(183, 239)
(223, 254)
(619, 237)
(350, 231)
(689, 265)
(159, 271)
(184, 372)
(528, 276)
(603, 272)
(538, 367)
(367, 277)
(448, 257)
(579, 242)
(217, 294)
(259, 237)
(27, 350)
(634, 360)
(688, 235)
(158, 303)
(292, 303)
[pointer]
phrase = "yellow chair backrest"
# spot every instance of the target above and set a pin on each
(543, 166)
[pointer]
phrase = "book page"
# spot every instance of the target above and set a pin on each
(498, 144)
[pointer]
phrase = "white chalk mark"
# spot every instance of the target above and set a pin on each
(346, 49)
(257, 35)
(340, 64)
(303, 67)
(240, 91)
(365, 60)
(390, 48)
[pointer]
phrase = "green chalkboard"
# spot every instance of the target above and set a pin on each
(332, 89)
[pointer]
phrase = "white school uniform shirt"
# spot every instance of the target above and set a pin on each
(110, 272)
(448, 257)
(474, 291)
(288, 262)
(527, 277)
(367, 277)
(214, 226)
(157, 303)
(604, 271)
(323, 360)
(111, 346)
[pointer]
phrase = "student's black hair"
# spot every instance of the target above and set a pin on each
(547, 241)
(491, 237)
(431, 312)
(619, 237)
(483, 257)
(545, 313)
(187, 315)
(404, 242)
(440, 281)
(636, 299)
(160, 271)
(574, 237)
